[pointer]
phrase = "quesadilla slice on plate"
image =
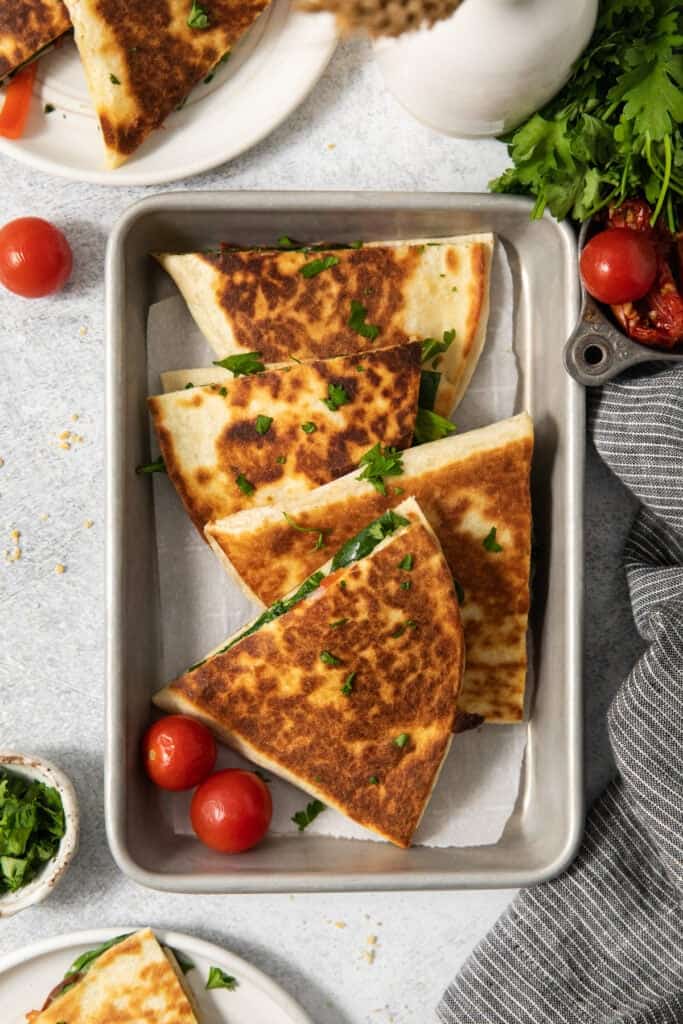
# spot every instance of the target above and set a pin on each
(131, 979)
(474, 490)
(26, 28)
(270, 436)
(141, 60)
(347, 687)
(317, 304)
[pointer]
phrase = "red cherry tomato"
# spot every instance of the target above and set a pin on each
(231, 811)
(179, 752)
(619, 265)
(35, 257)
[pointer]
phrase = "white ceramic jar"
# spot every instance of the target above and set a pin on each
(488, 66)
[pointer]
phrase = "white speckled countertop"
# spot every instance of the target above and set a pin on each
(51, 632)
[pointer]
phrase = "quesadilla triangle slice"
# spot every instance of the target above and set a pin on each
(346, 687)
(474, 490)
(141, 60)
(131, 979)
(270, 436)
(27, 27)
(332, 302)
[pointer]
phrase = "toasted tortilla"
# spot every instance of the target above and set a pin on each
(220, 463)
(465, 485)
(247, 300)
(26, 28)
(277, 695)
(134, 982)
(141, 60)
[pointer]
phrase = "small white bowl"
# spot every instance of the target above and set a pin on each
(52, 872)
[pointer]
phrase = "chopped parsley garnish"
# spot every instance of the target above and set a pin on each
(336, 397)
(429, 426)
(317, 266)
(406, 585)
(411, 624)
(219, 979)
(189, 385)
(379, 463)
(358, 323)
(406, 563)
(241, 365)
(401, 740)
(158, 466)
(281, 459)
(342, 584)
(338, 623)
(330, 659)
(308, 427)
(320, 540)
(347, 688)
(32, 825)
(244, 485)
(459, 592)
(197, 18)
(399, 631)
(284, 242)
(490, 542)
(373, 780)
(302, 819)
(223, 392)
(114, 80)
(49, 108)
(361, 368)
(263, 424)
(368, 539)
(356, 245)
(431, 348)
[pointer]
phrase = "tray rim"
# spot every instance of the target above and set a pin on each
(303, 880)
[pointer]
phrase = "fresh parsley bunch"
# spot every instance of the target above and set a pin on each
(31, 827)
(614, 131)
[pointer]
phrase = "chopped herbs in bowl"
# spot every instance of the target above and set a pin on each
(38, 830)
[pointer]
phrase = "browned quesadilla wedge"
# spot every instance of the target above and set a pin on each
(319, 304)
(474, 490)
(26, 28)
(271, 436)
(348, 686)
(142, 59)
(131, 979)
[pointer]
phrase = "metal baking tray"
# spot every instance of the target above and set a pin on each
(543, 834)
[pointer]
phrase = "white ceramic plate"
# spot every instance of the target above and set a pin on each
(269, 73)
(27, 976)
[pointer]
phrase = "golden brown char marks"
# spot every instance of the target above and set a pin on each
(26, 26)
(274, 692)
(279, 312)
(381, 408)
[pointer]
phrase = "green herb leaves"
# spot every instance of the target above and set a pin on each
(379, 463)
(401, 740)
(317, 266)
(158, 466)
(336, 397)
(613, 131)
(302, 819)
(263, 424)
(367, 540)
(308, 427)
(431, 348)
(358, 323)
(320, 539)
(198, 18)
(330, 659)
(31, 827)
(406, 563)
(114, 80)
(244, 485)
(429, 426)
(347, 688)
(242, 364)
(490, 542)
(219, 979)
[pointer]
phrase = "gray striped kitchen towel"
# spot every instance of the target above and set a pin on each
(603, 943)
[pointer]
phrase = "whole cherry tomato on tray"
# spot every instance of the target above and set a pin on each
(231, 811)
(619, 265)
(35, 257)
(179, 752)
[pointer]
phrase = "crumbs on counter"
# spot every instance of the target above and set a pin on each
(82, 330)
(2, 463)
(13, 554)
(340, 924)
(43, 517)
(88, 524)
(75, 417)
(60, 569)
(67, 439)
(331, 145)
